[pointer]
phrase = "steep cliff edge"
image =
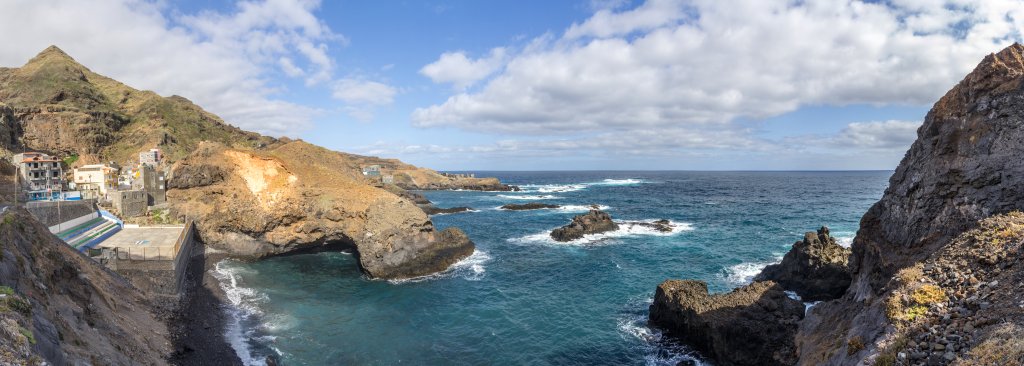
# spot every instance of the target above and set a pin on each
(295, 197)
(964, 166)
(60, 307)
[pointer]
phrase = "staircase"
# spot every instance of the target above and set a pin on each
(90, 233)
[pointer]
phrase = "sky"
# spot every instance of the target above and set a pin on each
(545, 85)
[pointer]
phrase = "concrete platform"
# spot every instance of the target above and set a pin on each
(147, 243)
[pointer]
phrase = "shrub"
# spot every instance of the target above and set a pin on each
(4, 290)
(928, 295)
(28, 334)
(910, 274)
(854, 345)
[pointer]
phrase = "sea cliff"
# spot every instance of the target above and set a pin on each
(923, 285)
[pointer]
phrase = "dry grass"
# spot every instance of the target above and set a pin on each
(1004, 346)
(910, 275)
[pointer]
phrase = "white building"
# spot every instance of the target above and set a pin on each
(95, 181)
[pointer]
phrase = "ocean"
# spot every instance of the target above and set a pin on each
(522, 298)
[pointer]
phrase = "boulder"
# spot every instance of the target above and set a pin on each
(815, 268)
(752, 325)
(593, 222)
(528, 206)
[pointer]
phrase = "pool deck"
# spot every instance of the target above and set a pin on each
(146, 242)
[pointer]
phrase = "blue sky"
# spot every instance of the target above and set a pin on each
(546, 85)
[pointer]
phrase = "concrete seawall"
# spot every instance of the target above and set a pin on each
(163, 276)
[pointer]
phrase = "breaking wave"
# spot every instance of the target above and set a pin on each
(243, 328)
(470, 268)
(743, 273)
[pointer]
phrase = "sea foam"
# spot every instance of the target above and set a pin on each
(470, 268)
(244, 309)
(658, 349)
(743, 273)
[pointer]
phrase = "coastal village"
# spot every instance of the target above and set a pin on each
(115, 213)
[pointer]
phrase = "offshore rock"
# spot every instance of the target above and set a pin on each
(528, 206)
(752, 325)
(815, 268)
(297, 196)
(593, 222)
(434, 210)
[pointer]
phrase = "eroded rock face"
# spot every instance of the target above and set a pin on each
(593, 222)
(528, 206)
(300, 197)
(815, 268)
(752, 325)
(58, 307)
(964, 166)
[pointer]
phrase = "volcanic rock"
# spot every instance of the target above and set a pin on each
(964, 166)
(814, 268)
(752, 325)
(593, 222)
(297, 196)
(528, 206)
(434, 210)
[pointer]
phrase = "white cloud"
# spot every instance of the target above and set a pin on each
(461, 71)
(650, 15)
(220, 60)
(888, 135)
(361, 96)
(704, 63)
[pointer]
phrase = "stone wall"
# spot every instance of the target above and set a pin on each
(49, 214)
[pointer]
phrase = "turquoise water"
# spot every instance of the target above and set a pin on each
(524, 299)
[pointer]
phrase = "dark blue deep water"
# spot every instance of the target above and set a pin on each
(524, 299)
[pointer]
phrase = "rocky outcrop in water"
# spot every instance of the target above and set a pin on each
(964, 166)
(297, 196)
(59, 307)
(815, 268)
(434, 210)
(593, 222)
(528, 206)
(663, 226)
(752, 325)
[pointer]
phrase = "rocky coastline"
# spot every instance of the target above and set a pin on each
(815, 268)
(934, 274)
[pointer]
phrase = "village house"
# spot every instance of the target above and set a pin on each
(371, 170)
(96, 181)
(41, 174)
